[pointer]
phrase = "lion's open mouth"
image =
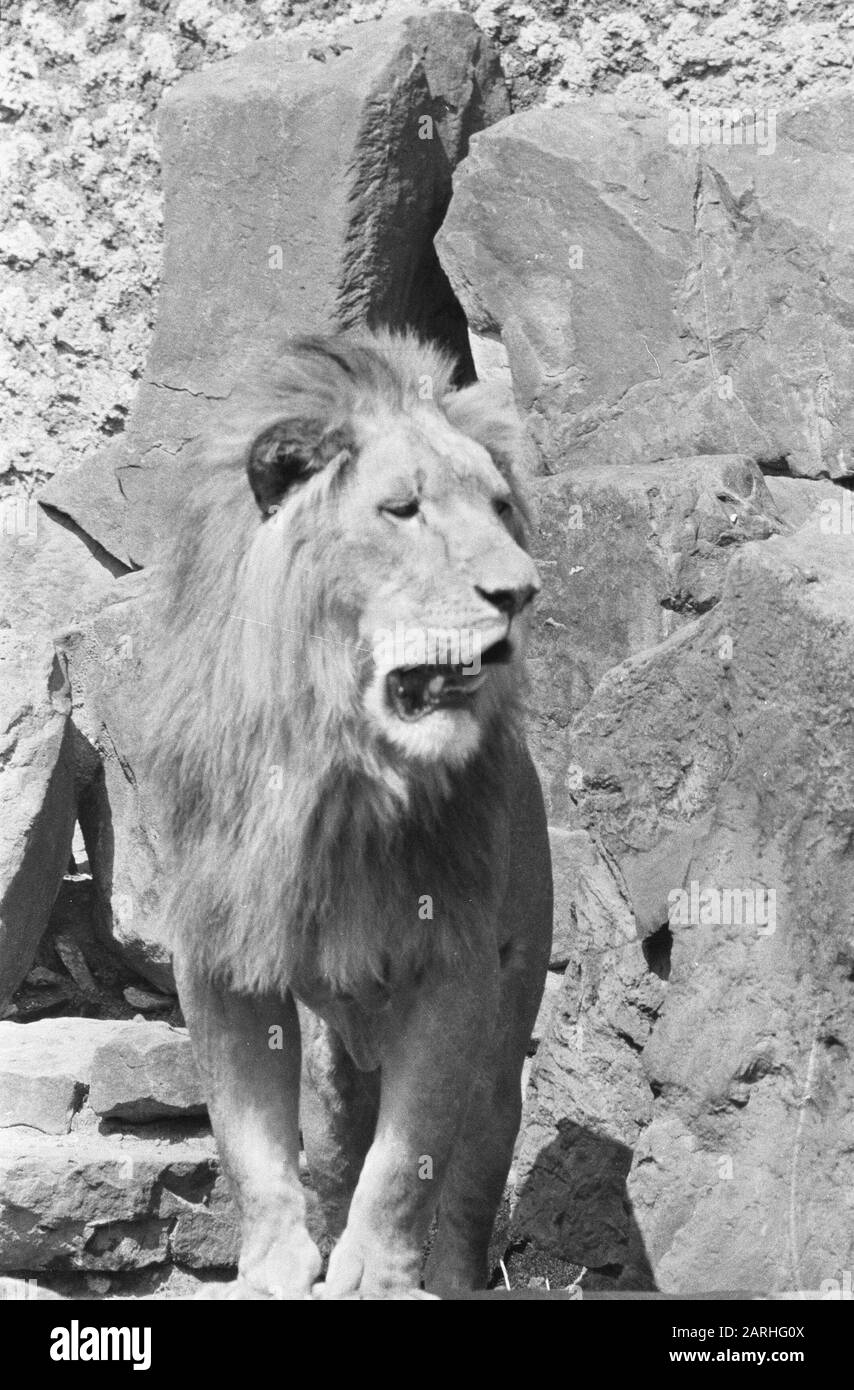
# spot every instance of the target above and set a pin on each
(416, 691)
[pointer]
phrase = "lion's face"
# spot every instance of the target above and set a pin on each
(389, 555)
(439, 582)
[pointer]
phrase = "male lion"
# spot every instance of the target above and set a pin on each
(353, 827)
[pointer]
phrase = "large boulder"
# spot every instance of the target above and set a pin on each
(106, 1158)
(91, 1202)
(49, 576)
(658, 298)
(118, 814)
(627, 557)
(303, 191)
(132, 1071)
(589, 1102)
(801, 500)
(145, 1072)
(45, 1070)
(43, 763)
(718, 772)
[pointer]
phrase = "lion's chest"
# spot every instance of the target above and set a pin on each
(368, 949)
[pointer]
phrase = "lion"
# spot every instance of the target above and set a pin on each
(359, 865)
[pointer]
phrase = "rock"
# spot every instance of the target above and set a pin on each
(145, 1072)
(586, 892)
(145, 1000)
(40, 770)
(44, 1072)
(668, 729)
(718, 771)
(94, 1202)
(490, 360)
(647, 292)
(547, 1007)
(799, 500)
(563, 876)
(52, 576)
(75, 963)
(627, 557)
(123, 1070)
(204, 1234)
(258, 245)
(588, 1101)
(33, 1003)
(79, 1194)
(118, 815)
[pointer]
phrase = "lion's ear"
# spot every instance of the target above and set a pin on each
(287, 454)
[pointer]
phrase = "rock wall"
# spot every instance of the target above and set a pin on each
(663, 304)
(81, 214)
(107, 1166)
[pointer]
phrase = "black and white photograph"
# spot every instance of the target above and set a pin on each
(426, 670)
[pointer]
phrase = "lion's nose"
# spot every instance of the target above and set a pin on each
(509, 601)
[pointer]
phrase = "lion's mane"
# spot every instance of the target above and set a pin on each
(296, 848)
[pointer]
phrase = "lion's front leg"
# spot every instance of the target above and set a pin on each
(248, 1054)
(431, 1053)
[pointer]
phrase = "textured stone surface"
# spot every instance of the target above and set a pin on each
(132, 1071)
(45, 1069)
(38, 795)
(548, 1004)
(627, 557)
(49, 576)
(83, 1184)
(80, 154)
(668, 729)
(589, 1102)
(586, 891)
(720, 763)
(145, 1071)
(800, 500)
(103, 659)
(204, 1233)
(257, 245)
(659, 299)
(92, 1202)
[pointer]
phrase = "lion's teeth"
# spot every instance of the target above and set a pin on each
(436, 685)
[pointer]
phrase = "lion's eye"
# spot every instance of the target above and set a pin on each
(502, 507)
(405, 510)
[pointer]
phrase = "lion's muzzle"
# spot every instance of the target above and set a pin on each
(416, 691)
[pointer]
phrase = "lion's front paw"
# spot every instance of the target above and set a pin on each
(286, 1268)
(364, 1268)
